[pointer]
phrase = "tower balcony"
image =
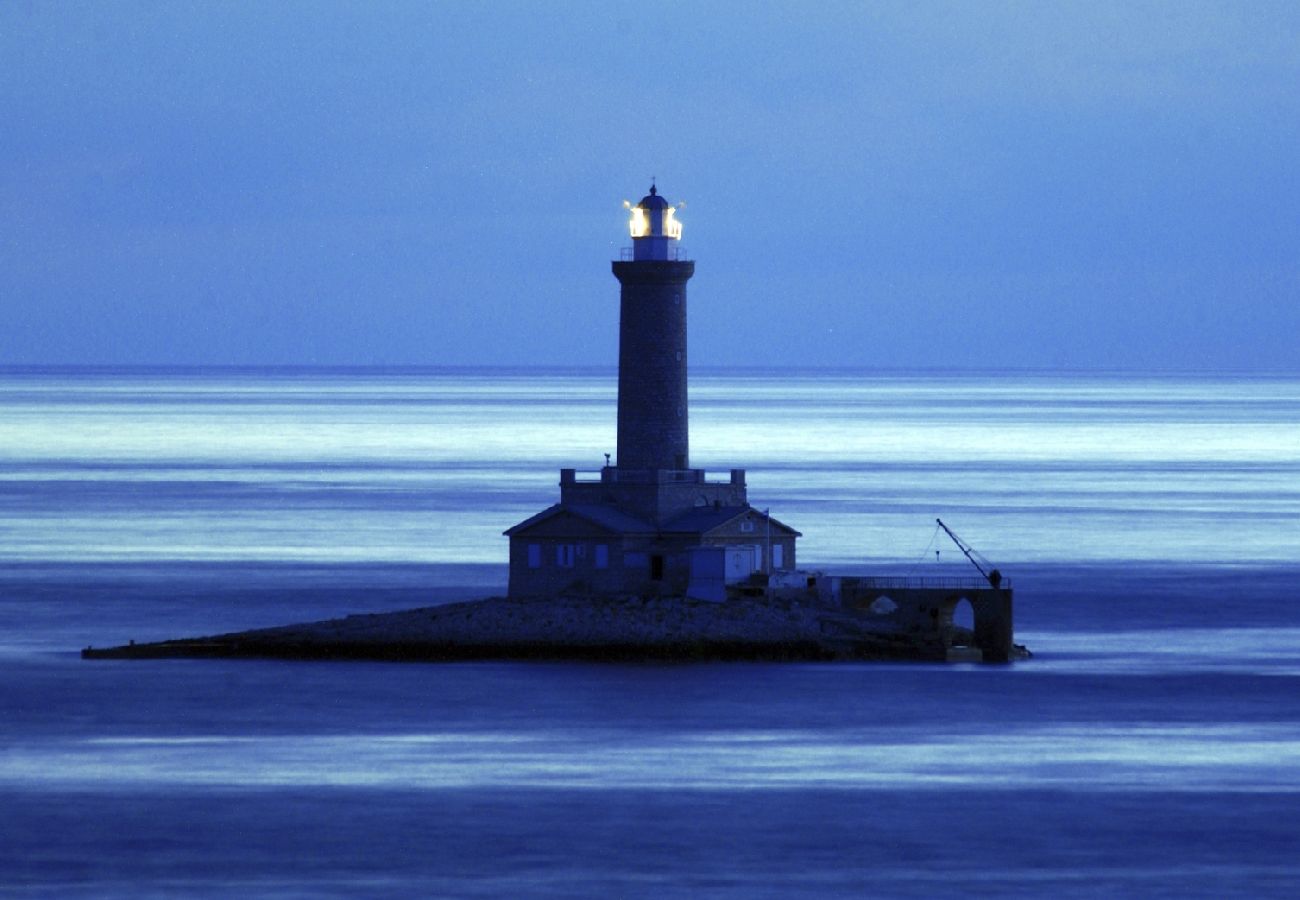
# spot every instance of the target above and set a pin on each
(615, 475)
(674, 253)
(652, 495)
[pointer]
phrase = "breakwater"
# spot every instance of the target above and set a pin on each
(581, 628)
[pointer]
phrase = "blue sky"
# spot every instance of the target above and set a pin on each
(969, 185)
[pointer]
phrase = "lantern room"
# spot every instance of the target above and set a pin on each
(653, 224)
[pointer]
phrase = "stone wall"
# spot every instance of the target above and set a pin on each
(926, 613)
(654, 495)
(652, 400)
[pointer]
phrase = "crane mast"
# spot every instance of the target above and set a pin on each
(991, 575)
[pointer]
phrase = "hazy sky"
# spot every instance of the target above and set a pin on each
(974, 184)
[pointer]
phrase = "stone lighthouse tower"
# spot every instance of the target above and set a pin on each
(653, 433)
(649, 523)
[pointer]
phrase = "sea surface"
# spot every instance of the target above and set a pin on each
(1150, 525)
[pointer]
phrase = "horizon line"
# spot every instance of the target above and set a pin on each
(454, 368)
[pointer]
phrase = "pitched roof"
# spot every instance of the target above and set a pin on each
(607, 517)
(706, 518)
(700, 520)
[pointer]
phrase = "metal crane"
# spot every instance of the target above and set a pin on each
(992, 575)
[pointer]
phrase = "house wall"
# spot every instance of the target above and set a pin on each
(752, 530)
(569, 564)
(630, 564)
(567, 558)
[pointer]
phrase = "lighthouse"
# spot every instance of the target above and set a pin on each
(653, 431)
(649, 524)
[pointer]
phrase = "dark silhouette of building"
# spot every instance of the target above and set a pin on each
(652, 404)
(649, 523)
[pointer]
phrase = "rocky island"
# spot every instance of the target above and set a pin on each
(651, 559)
(591, 628)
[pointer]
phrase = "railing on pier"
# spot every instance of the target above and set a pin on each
(947, 583)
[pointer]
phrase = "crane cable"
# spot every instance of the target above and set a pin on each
(925, 554)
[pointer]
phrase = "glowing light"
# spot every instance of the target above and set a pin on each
(645, 223)
(639, 224)
(672, 228)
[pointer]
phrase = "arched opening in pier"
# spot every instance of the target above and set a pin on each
(961, 621)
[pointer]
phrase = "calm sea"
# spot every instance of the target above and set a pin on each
(1150, 523)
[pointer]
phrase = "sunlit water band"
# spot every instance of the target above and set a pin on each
(431, 467)
(1157, 758)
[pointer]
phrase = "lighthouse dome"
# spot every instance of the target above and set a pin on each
(653, 225)
(652, 200)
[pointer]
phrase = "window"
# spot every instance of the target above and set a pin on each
(602, 556)
(564, 555)
(778, 556)
(746, 526)
(534, 556)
